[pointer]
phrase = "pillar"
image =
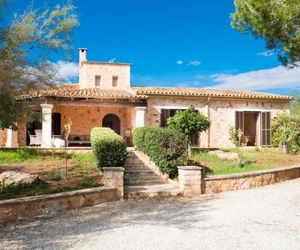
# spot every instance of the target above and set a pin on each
(46, 125)
(190, 178)
(114, 177)
(140, 116)
(9, 138)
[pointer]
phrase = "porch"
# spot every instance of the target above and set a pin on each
(83, 116)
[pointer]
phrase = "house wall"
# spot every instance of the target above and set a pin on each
(220, 111)
(88, 71)
(84, 118)
(2, 137)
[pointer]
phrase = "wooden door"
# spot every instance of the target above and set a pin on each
(265, 129)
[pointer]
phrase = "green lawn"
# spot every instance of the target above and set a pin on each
(254, 160)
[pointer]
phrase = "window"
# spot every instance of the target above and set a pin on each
(115, 81)
(97, 80)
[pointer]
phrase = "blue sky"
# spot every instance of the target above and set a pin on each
(176, 43)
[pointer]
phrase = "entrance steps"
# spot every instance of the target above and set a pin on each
(143, 179)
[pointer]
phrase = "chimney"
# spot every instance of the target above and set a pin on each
(82, 55)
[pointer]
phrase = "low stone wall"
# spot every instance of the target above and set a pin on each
(47, 205)
(223, 183)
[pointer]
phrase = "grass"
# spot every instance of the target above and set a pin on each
(82, 171)
(253, 159)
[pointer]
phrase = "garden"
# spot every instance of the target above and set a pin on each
(50, 167)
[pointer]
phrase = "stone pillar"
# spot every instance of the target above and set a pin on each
(114, 177)
(140, 116)
(190, 178)
(46, 125)
(9, 138)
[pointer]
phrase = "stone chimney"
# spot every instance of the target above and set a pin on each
(82, 55)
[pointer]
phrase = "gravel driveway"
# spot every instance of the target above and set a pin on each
(262, 218)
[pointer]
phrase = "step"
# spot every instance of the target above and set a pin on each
(147, 191)
(142, 180)
(132, 167)
(139, 172)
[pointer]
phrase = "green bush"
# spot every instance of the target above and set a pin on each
(286, 129)
(108, 147)
(167, 148)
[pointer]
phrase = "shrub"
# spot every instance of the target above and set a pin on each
(108, 147)
(286, 131)
(165, 147)
(235, 136)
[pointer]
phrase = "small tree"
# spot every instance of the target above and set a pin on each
(286, 132)
(189, 122)
(66, 134)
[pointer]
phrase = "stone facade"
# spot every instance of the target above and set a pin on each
(221, 113)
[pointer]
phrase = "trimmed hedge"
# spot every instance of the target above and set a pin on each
(108, 147)
(167, 148)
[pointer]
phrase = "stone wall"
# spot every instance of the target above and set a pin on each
(84, 118)
(220, 111)
(224, 183)
(48, 205)
(88, 71)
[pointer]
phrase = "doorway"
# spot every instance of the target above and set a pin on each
(112, 121)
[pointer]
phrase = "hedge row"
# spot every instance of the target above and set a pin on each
(166, 148)
(108, 147)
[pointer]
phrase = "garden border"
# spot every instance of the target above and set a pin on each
(247, 180)
(50, 204)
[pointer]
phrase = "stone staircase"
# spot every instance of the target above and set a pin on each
(142, 178)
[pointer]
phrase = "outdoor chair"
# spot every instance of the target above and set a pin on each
(33, 141)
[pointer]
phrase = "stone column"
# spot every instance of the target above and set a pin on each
(46, 125)
(190, 178)
(114, 177)
(140, 116)
(9, 138)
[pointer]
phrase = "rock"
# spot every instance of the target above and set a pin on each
(225, 155)
(16, 178)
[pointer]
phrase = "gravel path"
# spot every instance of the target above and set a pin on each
(262, 218)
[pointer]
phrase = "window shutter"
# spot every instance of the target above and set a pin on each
(265, 128)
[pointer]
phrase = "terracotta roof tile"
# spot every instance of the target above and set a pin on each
(72, 90)
(206, 92)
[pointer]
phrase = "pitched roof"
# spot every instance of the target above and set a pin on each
(206, 92)
(72, 90)
(139, 93)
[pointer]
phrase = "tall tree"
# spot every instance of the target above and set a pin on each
(26, 46)
(277, 21)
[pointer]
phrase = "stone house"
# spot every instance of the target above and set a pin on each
(104, 97)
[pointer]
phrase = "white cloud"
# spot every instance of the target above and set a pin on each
(112, 60)
(267, 53)
(66, 70)
(277, 77)
(179, 62)
(194, 63)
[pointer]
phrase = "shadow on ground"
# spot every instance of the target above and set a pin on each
(44, 233)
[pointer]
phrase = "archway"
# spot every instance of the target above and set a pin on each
(112, 121)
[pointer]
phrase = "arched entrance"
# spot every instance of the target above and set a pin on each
(112, 121)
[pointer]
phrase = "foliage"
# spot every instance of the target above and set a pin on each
(108, 147)
(26, 46)
(189, 121)
(295, 104)
(277, 21)
(286, 130)
(165, 147)
(235, 136)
